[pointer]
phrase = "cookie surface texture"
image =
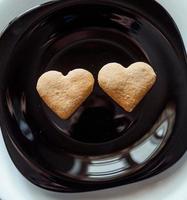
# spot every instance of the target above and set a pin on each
(127, 86)
(64, 94)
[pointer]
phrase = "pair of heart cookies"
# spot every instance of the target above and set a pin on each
(126, 86)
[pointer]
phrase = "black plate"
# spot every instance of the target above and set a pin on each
(63, 35)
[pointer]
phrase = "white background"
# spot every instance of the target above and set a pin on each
(170, 185)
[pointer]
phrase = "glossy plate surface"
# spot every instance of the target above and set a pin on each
(100, 145)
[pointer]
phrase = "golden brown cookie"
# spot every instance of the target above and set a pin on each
(127, 86)
(64, 94)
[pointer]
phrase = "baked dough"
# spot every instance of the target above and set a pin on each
(127, 86)
(64, 94)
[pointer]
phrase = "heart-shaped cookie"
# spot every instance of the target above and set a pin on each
(64, 94)
(127, 86)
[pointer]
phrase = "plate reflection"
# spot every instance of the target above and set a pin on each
(130, 159)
